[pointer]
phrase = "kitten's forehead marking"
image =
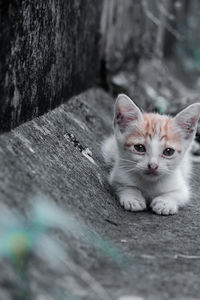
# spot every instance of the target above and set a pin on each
(153, 125)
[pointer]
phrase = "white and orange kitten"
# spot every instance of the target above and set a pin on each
(150, 157)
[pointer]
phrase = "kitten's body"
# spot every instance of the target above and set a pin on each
(150, 177)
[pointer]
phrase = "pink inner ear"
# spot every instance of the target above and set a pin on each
(122, 119)
(125, 112)
(188, 126)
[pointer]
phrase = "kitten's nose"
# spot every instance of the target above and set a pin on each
(153, 166)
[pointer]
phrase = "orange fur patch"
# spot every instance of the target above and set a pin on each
(151, 125)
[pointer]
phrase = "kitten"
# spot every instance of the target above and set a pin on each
(149, 156)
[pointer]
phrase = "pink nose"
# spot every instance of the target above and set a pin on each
(152, 166)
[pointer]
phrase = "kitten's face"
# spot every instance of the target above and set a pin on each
(154, 146)
(150, 144)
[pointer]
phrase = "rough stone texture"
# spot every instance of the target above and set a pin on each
(49, 52)
(47, 155)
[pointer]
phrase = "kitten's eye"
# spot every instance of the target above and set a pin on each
(140, 148)
(168, 152)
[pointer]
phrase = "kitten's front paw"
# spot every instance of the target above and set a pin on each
(163, 206)
(133, 204)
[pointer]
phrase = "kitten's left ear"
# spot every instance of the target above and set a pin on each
(187, 120)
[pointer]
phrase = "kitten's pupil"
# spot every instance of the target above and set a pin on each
(140, 148)
(168, 152)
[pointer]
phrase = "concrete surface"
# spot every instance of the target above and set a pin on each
(49, 155)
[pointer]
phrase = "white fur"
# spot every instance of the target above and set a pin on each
(164, 193)
(109, 150)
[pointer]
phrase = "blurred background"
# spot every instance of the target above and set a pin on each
(63, 235)
(51, 51)
(151, 51)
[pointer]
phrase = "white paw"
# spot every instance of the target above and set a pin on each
(133, 204)
(162, 206)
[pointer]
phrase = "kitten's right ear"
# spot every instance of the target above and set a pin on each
(187, 120)
(126, 113)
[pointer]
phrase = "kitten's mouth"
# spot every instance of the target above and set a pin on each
(151, 173)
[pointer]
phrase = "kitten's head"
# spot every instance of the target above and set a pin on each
(150, 144)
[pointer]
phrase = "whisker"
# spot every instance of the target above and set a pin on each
(127, 169)
(127, 166)
(128, 160)
(130, 170)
